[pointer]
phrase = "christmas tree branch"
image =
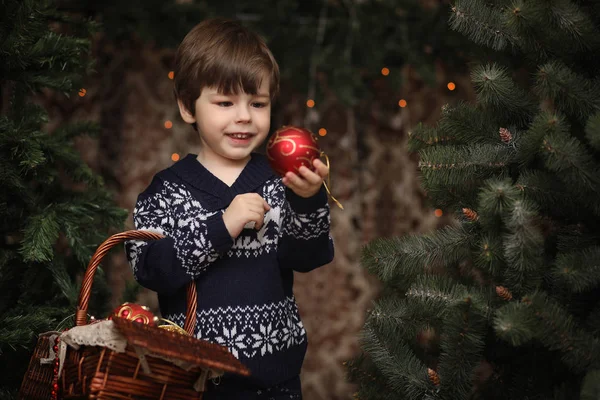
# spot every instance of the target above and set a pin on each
(500, 96)
(462, 343)
(496, 199)
(411, 256)
(467, 125)
(568, 157)
(489, 255)
(481, 23)
(403, 372)
(523, 247)
(578, 271)
(423, 136)
(451, 165)
(569, 93)
(530, 142)
(592, 131)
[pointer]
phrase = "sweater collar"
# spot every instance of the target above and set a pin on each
(254, 174)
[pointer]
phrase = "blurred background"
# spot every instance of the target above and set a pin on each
(359, 73)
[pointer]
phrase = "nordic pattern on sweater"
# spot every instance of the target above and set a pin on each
(245, 299)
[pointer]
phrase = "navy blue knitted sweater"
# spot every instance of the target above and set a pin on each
(245, 298)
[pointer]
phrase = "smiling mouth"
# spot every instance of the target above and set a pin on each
(240, 135)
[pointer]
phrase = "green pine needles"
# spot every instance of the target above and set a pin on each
(505, 302)
(54, 210)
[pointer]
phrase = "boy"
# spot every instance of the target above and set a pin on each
(230, 224)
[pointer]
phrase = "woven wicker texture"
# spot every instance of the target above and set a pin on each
(175, 345)
(99, 373)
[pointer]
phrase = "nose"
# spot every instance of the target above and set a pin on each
(243, 114)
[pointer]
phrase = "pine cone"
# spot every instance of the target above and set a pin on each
(504, 293)
(470, 214)
(505, 135)
(433, 376)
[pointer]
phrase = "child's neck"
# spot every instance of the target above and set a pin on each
(225, 169)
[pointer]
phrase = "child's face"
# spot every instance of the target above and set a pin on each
(231, 126)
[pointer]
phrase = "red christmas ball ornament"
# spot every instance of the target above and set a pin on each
(135, 312)
(291, 147)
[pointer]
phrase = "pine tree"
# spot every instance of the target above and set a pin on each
(54, 210)
(504, 303)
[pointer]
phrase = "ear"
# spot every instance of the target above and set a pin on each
(186, 115)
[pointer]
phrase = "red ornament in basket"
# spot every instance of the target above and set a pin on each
(291, 147)
(135, 312)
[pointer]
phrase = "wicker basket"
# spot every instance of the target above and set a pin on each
(100, 373)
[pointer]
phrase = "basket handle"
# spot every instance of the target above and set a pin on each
(88, 278)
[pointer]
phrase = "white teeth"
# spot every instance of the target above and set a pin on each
(239, 136)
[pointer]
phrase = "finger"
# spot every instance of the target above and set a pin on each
(320, 168)
(295, 181)
(312, 177)
(257, 201)
(259, 219)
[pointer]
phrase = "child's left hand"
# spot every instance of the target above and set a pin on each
(309, 182)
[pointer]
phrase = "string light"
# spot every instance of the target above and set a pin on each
(322, 131)
(310, 103)
(385, 71)
(451, 86)
(171, 74)
(438, 212)
(82, 92)
(168, 124)
(175, 157)
(402, 103)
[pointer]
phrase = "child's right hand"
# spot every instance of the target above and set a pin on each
(247, 207)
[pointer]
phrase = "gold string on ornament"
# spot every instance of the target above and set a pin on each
(328, 183)
(172, 327)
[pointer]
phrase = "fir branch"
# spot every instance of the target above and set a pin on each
(552, 197)
(489, 255)
(526, 21)
(411, 256)
(441, 293)
(578, 271)
(495, 200)
(403, 372)
(569, 158)
(482, 24)
(70, 131)
(523, 247)
(422, 136)
(451, 165)
(568, 92)
(461, 346)
(531, 142)
(500, 96)
(40, 235)
(403, 319)
(558, 330)
(592, 131)
(467, 125)
(577, 30)
(65, 283)
(18, 331)
(515, 324)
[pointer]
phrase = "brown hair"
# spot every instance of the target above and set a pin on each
(222, 53)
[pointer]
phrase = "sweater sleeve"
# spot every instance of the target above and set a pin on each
(305, 242)
(193, 239)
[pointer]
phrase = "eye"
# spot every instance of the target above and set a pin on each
(259, 105)
(224, 104)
